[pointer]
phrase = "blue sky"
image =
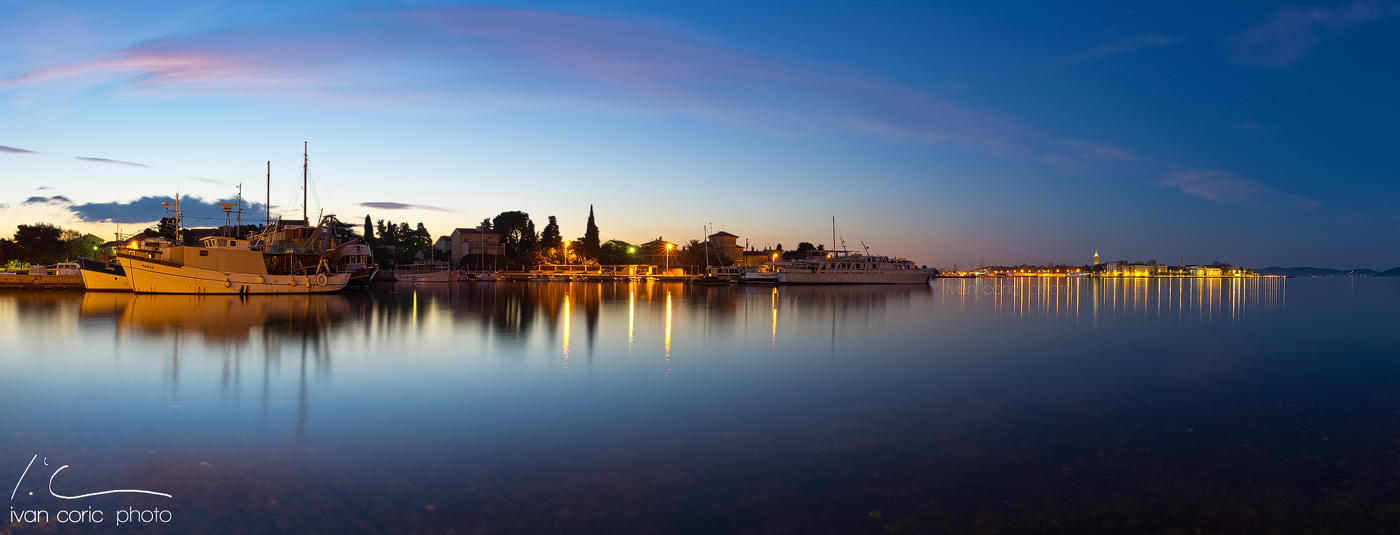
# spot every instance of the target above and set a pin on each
(1257, 134)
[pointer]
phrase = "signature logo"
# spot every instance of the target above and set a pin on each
(55, 494)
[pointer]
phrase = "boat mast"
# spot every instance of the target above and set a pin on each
(304, 212)
(833, 236)
(268, 206)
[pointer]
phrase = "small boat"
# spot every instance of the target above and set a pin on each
(425, 272)
(101, 276)
(356, 259)
(61, 269)
(488, 277)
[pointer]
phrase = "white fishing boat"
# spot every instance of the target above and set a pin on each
(425, 272)
(222, 265)
(855, 269)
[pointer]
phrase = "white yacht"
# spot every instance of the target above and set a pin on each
(222, 265)
(425, 272)
(855, 269)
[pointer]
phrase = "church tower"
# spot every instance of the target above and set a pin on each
(1096, 257)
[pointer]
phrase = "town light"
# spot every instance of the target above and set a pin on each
(670, 245)
(631, 250)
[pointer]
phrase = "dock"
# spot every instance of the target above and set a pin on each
(41, 282)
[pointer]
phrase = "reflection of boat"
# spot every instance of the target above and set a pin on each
(856, 269)
(99, 304)
(222, 266)
(424, 272)
(103, 276)
(230, 316)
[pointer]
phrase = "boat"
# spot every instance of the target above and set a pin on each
(223, 265)
(61, 269)
(856, 269)
(425, 272)
(99, 276)
(356, 259)
(488, 277)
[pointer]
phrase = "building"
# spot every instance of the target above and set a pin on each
(471, 241)
(1096, 257)
(657, 252)
(724, 248)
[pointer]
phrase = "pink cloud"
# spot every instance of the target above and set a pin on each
(1223, 187)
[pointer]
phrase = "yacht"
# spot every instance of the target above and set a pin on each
(223, 265)
(855, 269)
(425, 272)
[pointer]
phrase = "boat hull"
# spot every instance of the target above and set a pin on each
(101, 281)
(440, 276)
(838, 277)
(147, 276)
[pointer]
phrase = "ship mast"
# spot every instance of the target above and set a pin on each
(268, 206)
(304, 213)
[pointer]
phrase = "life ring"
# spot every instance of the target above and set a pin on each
(227, 282)
(320, 279)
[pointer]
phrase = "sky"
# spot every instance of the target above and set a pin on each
(999, 133)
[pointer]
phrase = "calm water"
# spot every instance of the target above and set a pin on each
(964, 406)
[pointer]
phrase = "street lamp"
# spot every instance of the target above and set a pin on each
(668, 255)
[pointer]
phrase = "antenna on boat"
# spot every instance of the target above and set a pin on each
(240, 205)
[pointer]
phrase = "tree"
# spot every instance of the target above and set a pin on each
(40, 242)
(550, 240)
(84, 245)
(691, 254)
(617, 252)
(369, 231)
(588, 245)
(517, 234)
(802, 249)
(486, 224)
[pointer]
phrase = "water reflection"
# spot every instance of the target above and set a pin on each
(494, 404)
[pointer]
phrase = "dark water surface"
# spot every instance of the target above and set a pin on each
(1063, 406)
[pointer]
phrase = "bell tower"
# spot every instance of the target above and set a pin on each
(1096, 257)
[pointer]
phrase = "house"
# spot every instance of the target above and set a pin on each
(658, 252)
(471, 241)
(724, 248)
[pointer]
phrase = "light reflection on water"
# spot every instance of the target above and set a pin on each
(651, 407)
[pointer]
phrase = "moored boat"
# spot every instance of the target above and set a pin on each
(222, 265)
(101, 276)
(856, 269)
(424, 272)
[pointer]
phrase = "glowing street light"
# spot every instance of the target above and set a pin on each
(669, 246)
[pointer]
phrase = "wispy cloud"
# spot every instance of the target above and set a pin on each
(15, 150)
(1224, 187)
(56, 199)
(1119, 47)
(1284, 38)
(389, 205)
(1099, 151)
(515, 56)
(196, 210)
(110, 161)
